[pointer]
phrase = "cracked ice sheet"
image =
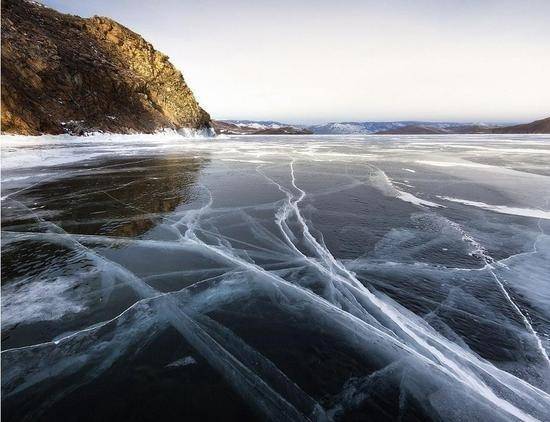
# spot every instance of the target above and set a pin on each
(292, 267)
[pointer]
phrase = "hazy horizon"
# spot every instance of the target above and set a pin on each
(317, 62)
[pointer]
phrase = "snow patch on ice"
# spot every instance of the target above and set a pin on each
(453, 164)
(185, 361)
(237, 160)
(409, 197)
(39, 300)
(19, 151)
(502, 209)
(381, 181)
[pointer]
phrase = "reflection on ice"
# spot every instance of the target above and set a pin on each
(291, 278)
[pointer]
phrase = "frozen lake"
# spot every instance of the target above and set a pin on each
(276, 277)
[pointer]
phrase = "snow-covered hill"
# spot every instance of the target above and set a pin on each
(335, 128)
(252, 127)
(256, 127)
(258, 124)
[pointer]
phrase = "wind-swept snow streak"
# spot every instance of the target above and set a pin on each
(503, 209)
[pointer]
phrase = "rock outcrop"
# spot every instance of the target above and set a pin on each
(65, 74)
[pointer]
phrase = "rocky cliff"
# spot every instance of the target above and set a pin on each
(65, 74)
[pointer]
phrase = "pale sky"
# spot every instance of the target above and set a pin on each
(317, 61)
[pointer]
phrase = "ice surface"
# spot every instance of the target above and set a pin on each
(317, 277)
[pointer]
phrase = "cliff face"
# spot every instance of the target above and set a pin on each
(65, 74)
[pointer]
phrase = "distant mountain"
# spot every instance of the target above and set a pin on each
(350, 128)
(258, 124)
(252, 127)
(538, 126)
(404, 127)
(413, 130)
(473, 128)
(425, 129)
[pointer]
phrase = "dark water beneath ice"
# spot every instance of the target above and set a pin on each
(276, 278)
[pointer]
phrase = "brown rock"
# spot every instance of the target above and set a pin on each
(62, 73)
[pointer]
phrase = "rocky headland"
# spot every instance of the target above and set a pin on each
(66, 74)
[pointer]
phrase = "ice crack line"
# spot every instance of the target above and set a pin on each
(387, 310)
(522, 316)
(249, 384)
(490, 264)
